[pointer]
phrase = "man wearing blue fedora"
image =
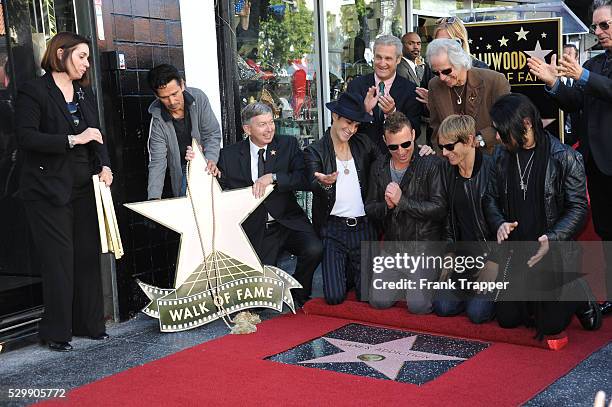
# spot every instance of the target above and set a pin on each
(338, 166)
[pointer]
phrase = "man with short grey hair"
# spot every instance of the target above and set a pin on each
(279, 223)
(472, 90)
(385, 92)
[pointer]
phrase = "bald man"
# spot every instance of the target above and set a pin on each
(412, 65)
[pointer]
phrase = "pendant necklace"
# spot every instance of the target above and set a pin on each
(459, 95)
(345, 164)
(525, 174)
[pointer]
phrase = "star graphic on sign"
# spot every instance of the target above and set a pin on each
(503, 42)
(543, 35)
(538, 52)
(522, 34)
(470, 41)
(208, 219)
(488, 46)
(387, 357)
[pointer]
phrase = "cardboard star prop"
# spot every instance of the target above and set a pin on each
(217, 272)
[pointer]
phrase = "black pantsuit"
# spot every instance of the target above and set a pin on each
(57, 193)
(66, 239)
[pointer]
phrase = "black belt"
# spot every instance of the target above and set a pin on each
(352, 222)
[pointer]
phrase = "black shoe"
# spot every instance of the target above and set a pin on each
(59, 346)
(100, 337)
(606, 307)
(590, 316)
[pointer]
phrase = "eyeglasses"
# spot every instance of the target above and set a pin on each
(604, 25)
(394, 147)
(444, 72)
(73, 109)
(446, 20)
(448, 147)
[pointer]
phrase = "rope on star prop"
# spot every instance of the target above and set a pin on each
(244, 322)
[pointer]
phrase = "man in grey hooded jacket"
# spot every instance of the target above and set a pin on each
(179, 114)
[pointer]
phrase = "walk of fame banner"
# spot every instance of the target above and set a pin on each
(505, 47)
(218, 272)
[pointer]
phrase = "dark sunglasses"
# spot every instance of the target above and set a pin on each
(394, 147)
(446, 20)
(445, 72)
(448, 147)
(604, 25)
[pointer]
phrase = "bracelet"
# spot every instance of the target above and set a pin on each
(71, 140)
(325, 187)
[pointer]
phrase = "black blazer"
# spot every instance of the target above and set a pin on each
(288, 164)
(403, 92)
(43, 124)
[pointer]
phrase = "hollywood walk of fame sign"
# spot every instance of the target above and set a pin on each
(505, 47)
(217, 271)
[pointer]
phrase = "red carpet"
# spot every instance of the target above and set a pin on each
(230, 371)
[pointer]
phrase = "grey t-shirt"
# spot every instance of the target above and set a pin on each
(396, 175)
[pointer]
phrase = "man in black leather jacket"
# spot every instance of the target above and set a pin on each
(467, 175)
(406, 195)
(337, 167)
(538, 194)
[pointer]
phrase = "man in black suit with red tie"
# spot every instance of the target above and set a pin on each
(278, 223)
(384, 91)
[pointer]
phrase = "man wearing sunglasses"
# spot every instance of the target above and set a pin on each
(459, 88)
(406, 195)
(592, 92)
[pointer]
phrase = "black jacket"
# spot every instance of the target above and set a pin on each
(595, 100)
(320, 157)
(403, 93)
(287, 163)
(476, 190)
(43, 125)
(422, 207)
(565, 198)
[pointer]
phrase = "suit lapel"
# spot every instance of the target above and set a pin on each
(245, 161)
(58, 98)
(271, 154)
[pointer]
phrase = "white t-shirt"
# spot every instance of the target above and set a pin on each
(349, 203)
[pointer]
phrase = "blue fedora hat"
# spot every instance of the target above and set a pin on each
(350, 106)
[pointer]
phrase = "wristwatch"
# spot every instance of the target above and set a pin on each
(71, 140)
(274, 181)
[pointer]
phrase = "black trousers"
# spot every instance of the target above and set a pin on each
(548, 317)
(305, 245)
(67, 243)
(601, 208)
(342, 256)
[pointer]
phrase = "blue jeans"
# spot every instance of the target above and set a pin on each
(478, 310)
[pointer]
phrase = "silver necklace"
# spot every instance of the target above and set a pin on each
(459, 95)
(345, 164)
(525, 174)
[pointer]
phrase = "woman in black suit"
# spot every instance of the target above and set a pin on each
(57, 131)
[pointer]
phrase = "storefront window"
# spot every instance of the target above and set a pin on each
(275, 53)
(352, 27)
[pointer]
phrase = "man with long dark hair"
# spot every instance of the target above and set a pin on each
(537, 194)
(593, 94)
